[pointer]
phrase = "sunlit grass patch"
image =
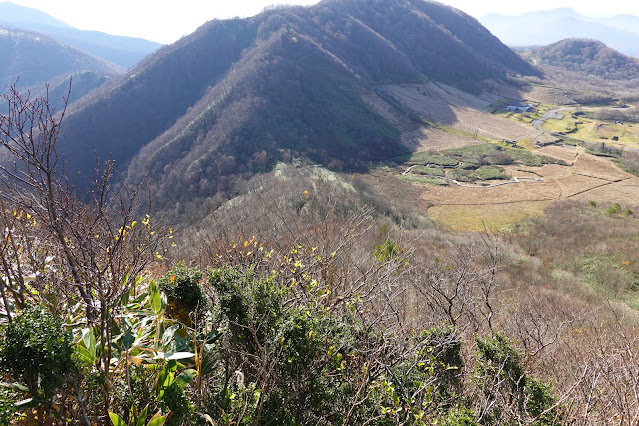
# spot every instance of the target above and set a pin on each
(527, 143)
(477, 218)
(567, 124)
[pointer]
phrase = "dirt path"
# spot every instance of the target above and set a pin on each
(515, 180)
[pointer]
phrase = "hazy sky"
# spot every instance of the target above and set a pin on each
(167, 20)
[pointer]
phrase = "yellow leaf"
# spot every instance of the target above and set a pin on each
(135, 360)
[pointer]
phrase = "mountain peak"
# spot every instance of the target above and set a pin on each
(587, 56)
(16, 15)
(239, 95)
(567, 11)
(544, 27)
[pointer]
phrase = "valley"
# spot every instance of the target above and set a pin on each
(356, 212)
(436, 119)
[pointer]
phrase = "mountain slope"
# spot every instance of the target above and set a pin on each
(11, 13)
(33, 59)
(124, 51)
(545, 27)
(238, 95)
(590, 57)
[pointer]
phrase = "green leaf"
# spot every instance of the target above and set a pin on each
(155, 298)
(116, 420)
(168, 334)
(142, 417)
(127, 340)
(84, 355)
(88, 338)
(174, 355)
(157, 420)
(26, 403)
(178, 355)
(126, 295)
(153, 367)
(185, 377)
(15, 386)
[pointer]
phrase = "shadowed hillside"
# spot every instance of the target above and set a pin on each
(35, 58)
(32, 59)
(238, 95)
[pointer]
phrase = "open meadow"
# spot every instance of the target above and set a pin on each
(478, 170)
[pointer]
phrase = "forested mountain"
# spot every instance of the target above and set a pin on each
(591, 57)
(541, 28)
(124, 51)
(238, 95)
(32, 59)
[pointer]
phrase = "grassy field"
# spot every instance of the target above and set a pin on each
(576, 175)
(490, 217)
(568, 124)
(544, 174)
(591, 129)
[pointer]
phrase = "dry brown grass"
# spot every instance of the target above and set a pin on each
(430, 139)
(585, 177)
(549, 95)
(414, 135)
(478, 218)
(626, 192)
(457, 109)
(577, 184)
(599, 167)
(505, 194)
(567, 154)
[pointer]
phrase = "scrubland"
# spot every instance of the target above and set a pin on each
(317, 297)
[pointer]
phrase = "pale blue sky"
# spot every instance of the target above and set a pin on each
(167, 20)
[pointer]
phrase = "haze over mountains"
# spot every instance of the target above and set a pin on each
(32, 59)
(545, 27)
(239, 95)
(124, 51)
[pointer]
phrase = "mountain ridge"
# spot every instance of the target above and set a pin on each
(544, 27)
(17, 14)
(236, 96)
(32, 60)
(588, 56)
(121, 50)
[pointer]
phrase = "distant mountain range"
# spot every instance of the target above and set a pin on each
(239, 95)
(32, 59)
(546, 27)
(124, 51)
